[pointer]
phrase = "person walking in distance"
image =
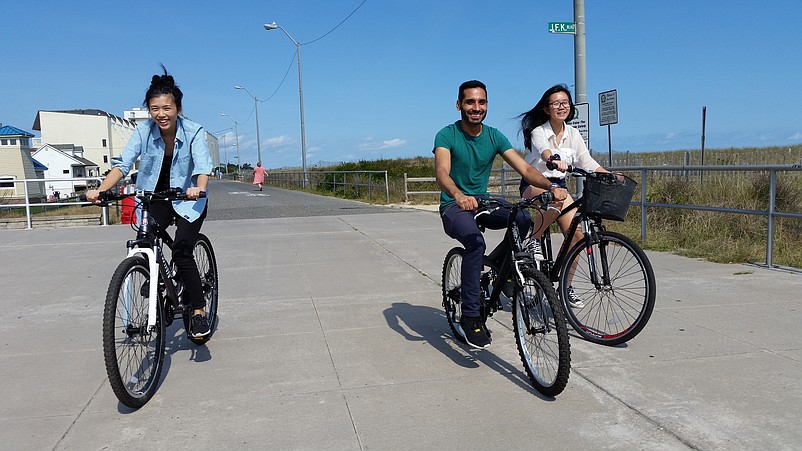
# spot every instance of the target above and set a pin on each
(259, 175)
(463, 157)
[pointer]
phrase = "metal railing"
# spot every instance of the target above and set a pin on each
(28, 200)
(353, 183)
(505, 182)
(691, 171)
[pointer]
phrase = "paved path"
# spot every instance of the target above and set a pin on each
(331, 336)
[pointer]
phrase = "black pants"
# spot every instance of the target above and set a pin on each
(461, 225)
(186, 234)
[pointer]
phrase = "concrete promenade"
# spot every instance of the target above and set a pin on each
(331, 336)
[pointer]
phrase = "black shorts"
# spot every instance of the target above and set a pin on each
(558, 180)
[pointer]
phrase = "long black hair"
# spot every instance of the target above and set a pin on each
(538, 116)
(162, 85)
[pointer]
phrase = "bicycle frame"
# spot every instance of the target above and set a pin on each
(506, 256)
(149, 244)
(589, 228)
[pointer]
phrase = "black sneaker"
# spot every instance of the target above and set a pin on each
(199, 326)
(474, 332)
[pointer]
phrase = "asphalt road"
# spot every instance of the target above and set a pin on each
(234, 200)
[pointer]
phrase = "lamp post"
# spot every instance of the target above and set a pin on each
(273, 26)
(256, 107)
(236, 138)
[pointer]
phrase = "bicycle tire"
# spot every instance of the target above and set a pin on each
(134, 356)
(210, 285)
(616, 313)
(452, 285)
(541, 333)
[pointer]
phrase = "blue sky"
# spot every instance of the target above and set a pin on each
(383, 83)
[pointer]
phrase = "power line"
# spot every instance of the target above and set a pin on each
(337, 26)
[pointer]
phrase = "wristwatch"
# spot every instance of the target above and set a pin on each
(553, 185)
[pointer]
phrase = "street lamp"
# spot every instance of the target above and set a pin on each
(273, 26)
(256, 107)
(236, 137)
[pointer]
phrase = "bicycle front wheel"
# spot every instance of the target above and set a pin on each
(614, 284)
(133, 352)
(452, 290)
(210, 286)
(541, 334)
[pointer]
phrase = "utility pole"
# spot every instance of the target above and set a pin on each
(580, 69)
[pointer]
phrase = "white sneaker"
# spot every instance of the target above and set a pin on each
(533, 246)
(573, 299)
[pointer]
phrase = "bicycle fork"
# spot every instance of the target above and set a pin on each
(604, 283)
(153, 282)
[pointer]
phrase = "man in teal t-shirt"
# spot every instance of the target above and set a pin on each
(463, 157)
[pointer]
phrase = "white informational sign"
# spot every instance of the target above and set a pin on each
(582, 121)
(608, 107)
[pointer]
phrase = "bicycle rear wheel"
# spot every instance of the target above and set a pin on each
(541, 334)
(134, 354)
(452, 290)
(207, 268)
(613, 312)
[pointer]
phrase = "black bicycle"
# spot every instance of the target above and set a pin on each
(143, 299)
(606, 281)
(538, 322)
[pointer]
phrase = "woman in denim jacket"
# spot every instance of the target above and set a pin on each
(173, 154)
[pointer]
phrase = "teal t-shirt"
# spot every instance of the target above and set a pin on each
(471, 158)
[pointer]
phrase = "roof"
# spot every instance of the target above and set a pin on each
(8, 130)
(86, 112)
(37, 166)
(65, 149)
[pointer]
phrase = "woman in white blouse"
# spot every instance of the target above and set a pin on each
(550, 139)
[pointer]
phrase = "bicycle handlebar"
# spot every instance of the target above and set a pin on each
(168, 195)
(575, 171)
(487, 204)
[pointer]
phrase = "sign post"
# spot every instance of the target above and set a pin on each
(581, 121)
(608, 115)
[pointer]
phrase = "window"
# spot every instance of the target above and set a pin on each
(4, 142)
(13, 142)
(105, 158)
(24, 142)
(104, 143)
(65, 171)
(6, 182)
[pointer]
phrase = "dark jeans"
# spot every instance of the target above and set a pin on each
(461, 225)
(186, 234)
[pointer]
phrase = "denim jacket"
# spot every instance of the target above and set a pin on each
(190, 158)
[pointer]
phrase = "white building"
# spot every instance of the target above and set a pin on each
(100, 134)
(64, 161)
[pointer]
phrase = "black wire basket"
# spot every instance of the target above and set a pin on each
(609, 199)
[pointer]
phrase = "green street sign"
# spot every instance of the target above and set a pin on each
(562, 27)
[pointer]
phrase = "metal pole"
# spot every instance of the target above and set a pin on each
(236, 135)
(225, 152)
(258, 141)
(301, 95)
(704, 116)
(770, 232)
(643, 189)
(580, 69)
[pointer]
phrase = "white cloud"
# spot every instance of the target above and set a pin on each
(277, 141)
(795, 137)
(386, 144)
(396, 142)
